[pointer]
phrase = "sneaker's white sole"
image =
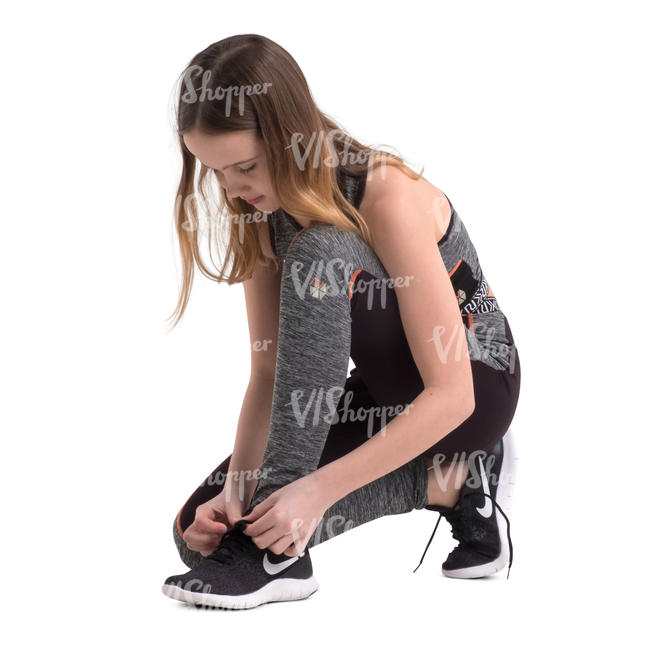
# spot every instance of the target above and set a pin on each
(504, 499)
(277, 590)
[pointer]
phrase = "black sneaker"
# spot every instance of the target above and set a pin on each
(482, 536)
(239, 575)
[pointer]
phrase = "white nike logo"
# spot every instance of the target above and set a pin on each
(486, 509)
(272, 569)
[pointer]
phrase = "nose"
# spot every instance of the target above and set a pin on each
(233, 189)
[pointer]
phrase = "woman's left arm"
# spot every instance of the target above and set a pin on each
(404, 238)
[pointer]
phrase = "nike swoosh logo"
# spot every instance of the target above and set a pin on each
(486, 509)
(272, 569)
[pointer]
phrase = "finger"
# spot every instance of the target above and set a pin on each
(272, 539)
(300, 534)
(258, 518)
(197, 541)
(286, 544)
(260, 509)
(277, 538)
(291, 551)
(202, 546)
(298, 544)
(206, 511)
(268, 531)
(233, 515)
(203, 539)
(208, 526)
(208, 552)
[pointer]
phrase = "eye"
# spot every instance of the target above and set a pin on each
(247, 171)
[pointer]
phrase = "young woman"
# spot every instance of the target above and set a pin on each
(344, 252)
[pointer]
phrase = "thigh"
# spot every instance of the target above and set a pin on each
(357, 421)
(380, 350)
(495, 397)
(496, 394)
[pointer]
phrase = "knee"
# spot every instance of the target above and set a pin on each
(320, 241)
(323, 252)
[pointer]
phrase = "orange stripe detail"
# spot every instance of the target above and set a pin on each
(352, 279)
(178, 517)
(470, 320)
(455, 268)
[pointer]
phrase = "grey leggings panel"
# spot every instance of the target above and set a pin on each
(314, 336)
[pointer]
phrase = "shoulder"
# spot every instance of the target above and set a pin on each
(390, 194)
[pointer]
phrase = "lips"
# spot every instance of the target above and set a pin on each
(255, 199)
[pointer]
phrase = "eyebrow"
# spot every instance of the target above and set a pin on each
(241, 162)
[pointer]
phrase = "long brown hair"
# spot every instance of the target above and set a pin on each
(268, 94)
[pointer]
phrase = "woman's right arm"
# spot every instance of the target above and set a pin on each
(213, 518)
(262, 295)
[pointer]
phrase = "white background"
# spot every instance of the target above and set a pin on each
(530, 116)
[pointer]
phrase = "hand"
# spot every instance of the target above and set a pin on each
(217, 516)
(212, 520)
(285, 521)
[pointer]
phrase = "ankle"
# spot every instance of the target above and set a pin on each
(444, 486)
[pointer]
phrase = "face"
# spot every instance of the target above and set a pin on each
(240, 165)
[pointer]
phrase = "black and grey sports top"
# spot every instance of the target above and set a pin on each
(484, 321)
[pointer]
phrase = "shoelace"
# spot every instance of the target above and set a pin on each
(231, 542)
(471, 494)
